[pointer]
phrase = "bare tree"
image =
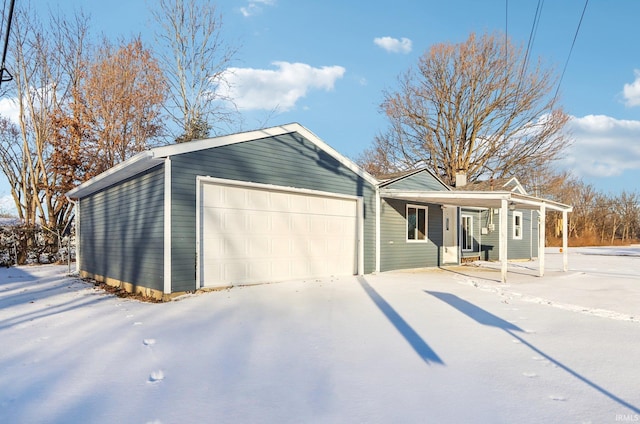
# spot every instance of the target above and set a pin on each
(13, 164)
(44, 60)
(194, 57)
(478, 107)
(627, 207)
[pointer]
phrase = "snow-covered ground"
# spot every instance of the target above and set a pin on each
(419, 346)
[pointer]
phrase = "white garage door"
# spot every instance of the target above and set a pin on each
(254, 233)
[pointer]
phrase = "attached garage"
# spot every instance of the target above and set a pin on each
(268, 205)
(251, 233)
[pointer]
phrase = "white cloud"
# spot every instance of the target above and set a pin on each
(394, 45)
(255, 6)
(631, 92)
(9, 109)
(277, 89)
(603, 146)
(7, 205)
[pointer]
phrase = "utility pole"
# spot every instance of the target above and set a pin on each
(3, 68)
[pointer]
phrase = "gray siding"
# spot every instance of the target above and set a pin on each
(395, 251)
(419, 181)
(520, 249)
(122, 231)
(288, 160)
(516, 249)
(490, 249)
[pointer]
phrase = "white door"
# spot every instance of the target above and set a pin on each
(252, 233)
(450, 236)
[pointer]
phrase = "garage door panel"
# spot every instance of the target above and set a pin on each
(255, 235)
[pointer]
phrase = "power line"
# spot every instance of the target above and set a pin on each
(532, 35)
(575, 36)
(3, 68)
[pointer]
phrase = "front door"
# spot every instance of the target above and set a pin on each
(450, 236)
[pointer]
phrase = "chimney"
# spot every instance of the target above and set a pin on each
(461, 178)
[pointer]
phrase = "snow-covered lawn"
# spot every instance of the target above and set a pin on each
(424, 346)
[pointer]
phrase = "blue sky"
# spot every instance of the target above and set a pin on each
(326, 63)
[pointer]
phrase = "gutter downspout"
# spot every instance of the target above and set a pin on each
(378, 207)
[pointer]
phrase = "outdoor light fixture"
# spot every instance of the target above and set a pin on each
(512, 206)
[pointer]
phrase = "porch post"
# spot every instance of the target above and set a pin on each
(565, 242)
(167, 228)
(503, 239)
(542, 237)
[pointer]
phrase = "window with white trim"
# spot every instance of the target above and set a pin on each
(467, 232)
(517, 225)
(416, 223)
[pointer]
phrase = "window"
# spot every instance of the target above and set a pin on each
(467, 232)
(416, 223)
(517, 225)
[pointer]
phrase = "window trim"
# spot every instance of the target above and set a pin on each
(515, 227)
(426, 221)
(469, 233)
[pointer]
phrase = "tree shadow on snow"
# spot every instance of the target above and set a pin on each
(32, 293)
(484, 317)
(423, 350)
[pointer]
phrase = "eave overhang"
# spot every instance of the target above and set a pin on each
(476, 199)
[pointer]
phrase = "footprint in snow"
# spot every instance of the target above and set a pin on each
(530, 374)
(149, 342)
(156, 376)
(558, 398)
(137, 323)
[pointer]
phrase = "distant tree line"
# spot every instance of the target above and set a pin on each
(598, 218)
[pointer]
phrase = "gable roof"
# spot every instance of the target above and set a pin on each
(153, 157)
(389, 179)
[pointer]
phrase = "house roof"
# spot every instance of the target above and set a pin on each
(396, 175)
(153, 157)
(494, 184)
(388, 179)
